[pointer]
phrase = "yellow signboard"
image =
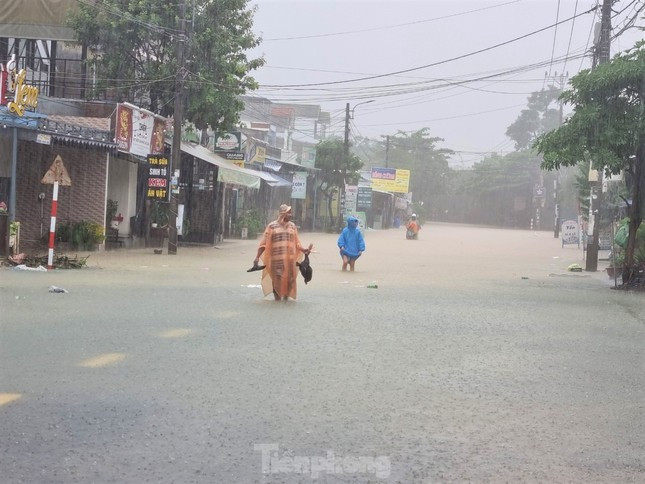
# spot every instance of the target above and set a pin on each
(13, 81)
(391, 180)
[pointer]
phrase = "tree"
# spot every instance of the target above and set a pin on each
(502, 189)
(608, 127)
(337, 168)
(133, 43)
(538, 118)
(428, 164)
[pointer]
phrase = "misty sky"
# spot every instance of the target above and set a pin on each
(328, 41)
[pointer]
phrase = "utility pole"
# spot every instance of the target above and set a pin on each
(178, 119)
(341, 193)
(602, 53)
(561, 80)
(387, 150)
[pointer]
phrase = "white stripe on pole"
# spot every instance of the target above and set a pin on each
(52, 228)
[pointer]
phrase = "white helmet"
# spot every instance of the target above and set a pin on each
(414, 214)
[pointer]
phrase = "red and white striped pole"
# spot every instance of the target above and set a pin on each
(52, 228)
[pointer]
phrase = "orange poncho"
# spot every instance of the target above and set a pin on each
(282, 249)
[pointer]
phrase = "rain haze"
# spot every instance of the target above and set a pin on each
(255, 299)
(483, 58)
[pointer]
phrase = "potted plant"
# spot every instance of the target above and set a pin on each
(110, 211)
(250, 220)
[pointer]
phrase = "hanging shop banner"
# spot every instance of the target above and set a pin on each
(230, 141)
(138, 131)
(308, 158)
(351, 195)
(363, 198)
(391, 180)
(158, 175)
(299, 185)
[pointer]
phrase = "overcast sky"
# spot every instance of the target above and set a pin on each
(326, 42)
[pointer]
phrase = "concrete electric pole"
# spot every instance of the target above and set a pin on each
(178, 118)
(601, 53)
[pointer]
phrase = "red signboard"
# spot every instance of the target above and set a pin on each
(138, 131)
(4, 75)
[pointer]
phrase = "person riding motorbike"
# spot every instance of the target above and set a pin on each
(412, 227)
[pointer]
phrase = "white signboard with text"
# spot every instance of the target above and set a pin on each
(299, 186)
(570, 231)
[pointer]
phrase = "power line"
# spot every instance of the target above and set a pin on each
(575, 10)
(445, 61)
(555, 34)
(449, 117)
(391, 26)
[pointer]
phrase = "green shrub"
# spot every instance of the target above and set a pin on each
(252, 221)
(63, 232)
(85, 235)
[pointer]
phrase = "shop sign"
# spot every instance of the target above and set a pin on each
(364, 198)
(351, 196)
(138, 131)
(570, 232)
(233, 155)
(12, 82)
(391, 180)
(158, 174)
(299, 186)
(228, 141)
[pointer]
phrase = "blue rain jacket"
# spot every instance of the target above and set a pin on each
(351, 240)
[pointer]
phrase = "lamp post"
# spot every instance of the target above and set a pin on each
(346, 148)
(347, 118)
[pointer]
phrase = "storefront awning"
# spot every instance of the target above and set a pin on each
(228, 172)
(275, 181)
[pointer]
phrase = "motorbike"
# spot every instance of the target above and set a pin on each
(412, 231)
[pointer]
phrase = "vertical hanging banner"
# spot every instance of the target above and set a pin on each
(57, 174)
(351, 198)
(299, 186)
(138, 131)
(364, 198)
(158, 176)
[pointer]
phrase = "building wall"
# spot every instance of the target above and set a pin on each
(84, 200)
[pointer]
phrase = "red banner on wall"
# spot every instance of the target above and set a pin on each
(138, 131)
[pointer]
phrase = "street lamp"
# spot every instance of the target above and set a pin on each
(346, 143)
(347, 118)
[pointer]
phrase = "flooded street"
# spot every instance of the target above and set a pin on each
(477, 357)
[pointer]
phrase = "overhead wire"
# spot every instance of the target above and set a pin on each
(127, 16)
(445, 61)
(555, 35)
(573, 24)
(373, 29)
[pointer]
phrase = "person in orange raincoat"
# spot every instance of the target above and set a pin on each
(280, 249)
(412, 227)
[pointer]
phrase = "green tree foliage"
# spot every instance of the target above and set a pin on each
(337, 168)
(428, 164)
(133, 43)
(608, 127)
(540, 116)
(501, 189)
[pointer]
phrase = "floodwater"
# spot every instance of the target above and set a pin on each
(478, 357)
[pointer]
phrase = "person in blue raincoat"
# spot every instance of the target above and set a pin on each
(351, 243)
